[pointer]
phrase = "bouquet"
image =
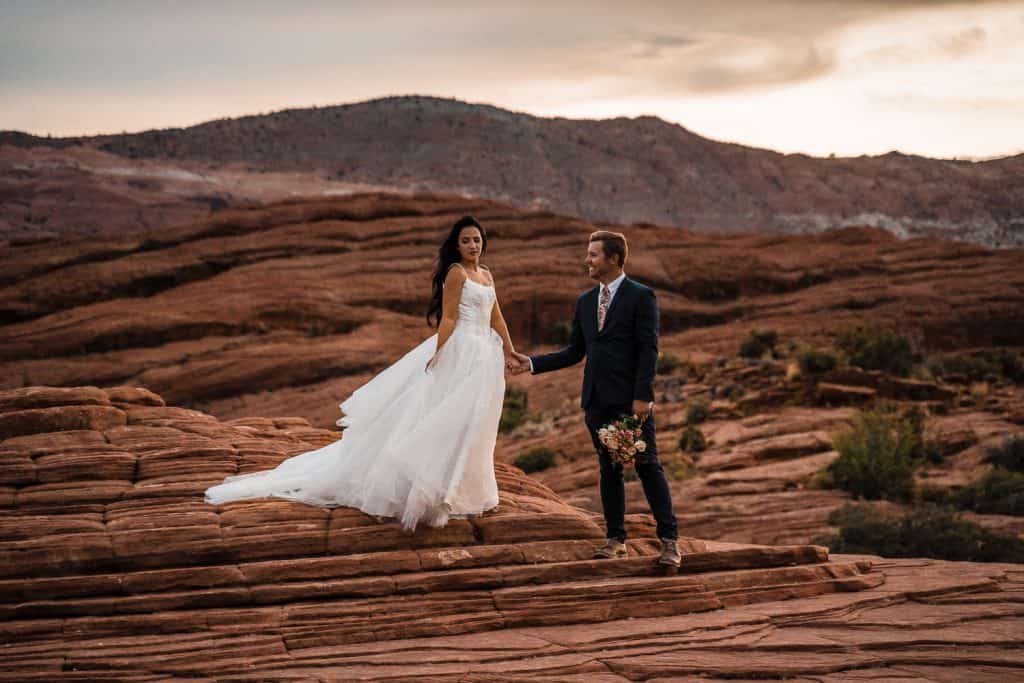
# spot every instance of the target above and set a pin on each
(623, 438)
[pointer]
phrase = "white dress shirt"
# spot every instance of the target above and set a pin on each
(613, 287)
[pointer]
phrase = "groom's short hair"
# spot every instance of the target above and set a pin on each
(613, 243)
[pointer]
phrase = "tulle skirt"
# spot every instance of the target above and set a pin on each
(418, 446)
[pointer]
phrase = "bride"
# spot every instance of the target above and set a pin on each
(419, 437)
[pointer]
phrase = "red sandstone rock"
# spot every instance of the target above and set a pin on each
(127, 472)
(140, 585)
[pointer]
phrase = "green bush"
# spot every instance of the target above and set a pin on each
(1010, 365)
(924, 531)
(1000, 492)
(536, 459)
(679, 468)
(732, 391)
(692, 440)
(971, 368)
(815, 362)
(876, 348)
(984, 366)
(759, 343)
(696, 412)
(667, 363)
(713, 291)
(513, 409)
(1009, 455)
(561, 332)
(876, 457)
(926, 449)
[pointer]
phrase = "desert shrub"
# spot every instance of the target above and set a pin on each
(536, 459)
(927, 449)
(935, 495)
(759, 343)
(876, 457)
(932, 451)
(999, 492)
(692, 440)
(1009, 455)
(513, 409)
(971, 368)
(1010, 365)
(985, 366)
(696, 412)
(560, 333)
(713, 291)
(915, 417)
(979, 392)
(815, 362)
(678, 468)
(667, 363)
(732, 391)
(878, 348)
(924, 531)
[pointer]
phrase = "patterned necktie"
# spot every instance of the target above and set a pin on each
(602, 307)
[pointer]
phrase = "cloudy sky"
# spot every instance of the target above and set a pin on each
(938, 78)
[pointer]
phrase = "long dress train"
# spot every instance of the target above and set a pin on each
(418, 445)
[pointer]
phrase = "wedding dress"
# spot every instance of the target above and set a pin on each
(418, 444)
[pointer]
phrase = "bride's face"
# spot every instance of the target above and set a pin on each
(471, 244)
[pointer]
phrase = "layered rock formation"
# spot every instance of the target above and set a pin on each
(114, 569)
(285, 309)
(617, 170)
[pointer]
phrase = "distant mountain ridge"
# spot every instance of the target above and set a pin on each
(622, 170)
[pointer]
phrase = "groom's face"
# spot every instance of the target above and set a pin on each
(598, 264)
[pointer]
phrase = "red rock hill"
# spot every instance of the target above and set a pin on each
(616, 170)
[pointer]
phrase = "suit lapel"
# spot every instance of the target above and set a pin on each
(590, 317)
(620, 294)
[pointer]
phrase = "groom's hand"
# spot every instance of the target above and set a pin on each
(524, 362)
(642, 408)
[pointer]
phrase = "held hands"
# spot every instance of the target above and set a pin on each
(517, 363)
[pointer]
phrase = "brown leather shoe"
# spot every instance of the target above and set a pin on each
(611, 549)
(670, 556)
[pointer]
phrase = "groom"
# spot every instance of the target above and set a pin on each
(616, 327)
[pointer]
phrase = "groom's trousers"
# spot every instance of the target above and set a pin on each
(648, 469)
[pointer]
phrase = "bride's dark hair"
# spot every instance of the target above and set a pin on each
(446, 256)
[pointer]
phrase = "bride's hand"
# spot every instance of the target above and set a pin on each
(517, 363)
(511, 362)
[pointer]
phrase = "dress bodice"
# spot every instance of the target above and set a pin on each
(475, 306)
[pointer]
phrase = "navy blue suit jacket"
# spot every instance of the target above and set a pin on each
(621, 357)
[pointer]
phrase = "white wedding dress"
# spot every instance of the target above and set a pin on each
(418, 445)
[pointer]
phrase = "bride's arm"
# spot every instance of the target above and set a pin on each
(498, 323)
(453, 283)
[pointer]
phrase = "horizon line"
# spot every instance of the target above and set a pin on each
(49, 136)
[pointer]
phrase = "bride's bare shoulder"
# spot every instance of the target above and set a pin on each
(455, 275)
(488, 273)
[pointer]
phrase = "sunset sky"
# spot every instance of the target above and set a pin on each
(848, 77)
